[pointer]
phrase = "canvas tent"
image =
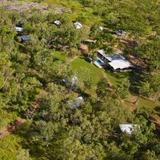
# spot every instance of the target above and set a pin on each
(57, 22)
(24, 38)
(78, 25)
(76, 103)
(18, 29)
(127, 128)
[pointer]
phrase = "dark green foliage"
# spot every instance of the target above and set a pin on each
(35, 84)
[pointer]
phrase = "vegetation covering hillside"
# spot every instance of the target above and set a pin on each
(55, 104)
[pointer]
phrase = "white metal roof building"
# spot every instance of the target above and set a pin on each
(127, 128)
(115, 56)
(120, 64)
(102, 53)
(114, 61)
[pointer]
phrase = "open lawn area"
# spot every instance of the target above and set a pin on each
(59, 56)
(10, 148)
(6, 118)
(144, 102)
(86, 71)
(89, 72)
(141, 103)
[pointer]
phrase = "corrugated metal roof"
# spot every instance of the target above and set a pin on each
(120, 64)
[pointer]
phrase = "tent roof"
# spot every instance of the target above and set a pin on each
(19, 29)
(25, 37)
(127, 128)
(78, 25)
(57, 22)
(77, 102)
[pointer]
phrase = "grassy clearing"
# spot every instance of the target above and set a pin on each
(86, 71)
(116, 78)
(144, 102)
(9, 147)
(89, 72)
(133, 102)
(6, 118)
(68, 3)
(60, 56)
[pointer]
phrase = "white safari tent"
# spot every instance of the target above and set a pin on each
(57, 22)
(78, 25)
(127, 128)
(18, 29)
(76, 103)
